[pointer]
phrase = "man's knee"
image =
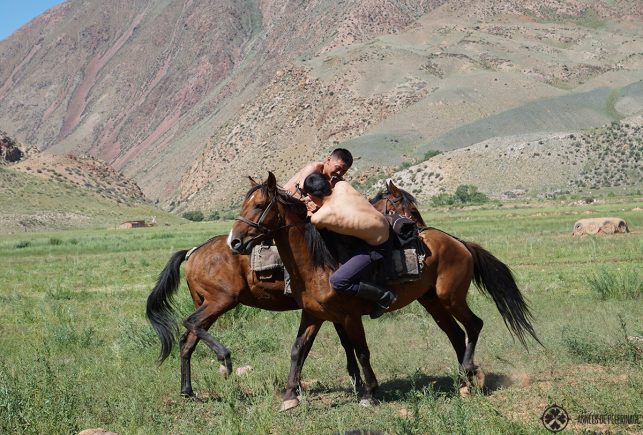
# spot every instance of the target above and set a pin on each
(340, 283)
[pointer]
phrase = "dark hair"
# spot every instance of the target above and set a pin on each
(344, 155)
(317, 184)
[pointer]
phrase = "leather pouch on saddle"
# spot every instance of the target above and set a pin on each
(405, 262)
(265, 261)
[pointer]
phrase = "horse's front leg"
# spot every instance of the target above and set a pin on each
(355, 330)
(308, 328)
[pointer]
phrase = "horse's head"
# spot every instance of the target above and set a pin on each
(262, 215)
(396, 200)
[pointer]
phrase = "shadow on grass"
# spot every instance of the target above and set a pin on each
(398, 389)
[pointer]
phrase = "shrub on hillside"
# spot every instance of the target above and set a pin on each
(469, 194)
(442, 199)
(196, 216)
(214, 216)
(464, 194)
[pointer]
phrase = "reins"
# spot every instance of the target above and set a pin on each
(264, 231)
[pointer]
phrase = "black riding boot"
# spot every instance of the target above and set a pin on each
(382, 297)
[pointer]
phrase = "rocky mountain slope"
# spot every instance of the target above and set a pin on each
(82, 172)
(187, 97)
(142, 85)
(534, 164)
(40, 192)
(459, 75)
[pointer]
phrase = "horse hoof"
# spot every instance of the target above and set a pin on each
(193, 397)
(366, 403)
(465, 392)
(225, 371)
(243, 370)
(480, 378)
(288, 404)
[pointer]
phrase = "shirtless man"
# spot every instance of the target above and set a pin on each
(332, 167)
(345, 211)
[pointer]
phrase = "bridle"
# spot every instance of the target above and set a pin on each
(264, 231)
(258, 225)
(393, 202)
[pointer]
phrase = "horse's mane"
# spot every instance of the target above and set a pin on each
(317, 248)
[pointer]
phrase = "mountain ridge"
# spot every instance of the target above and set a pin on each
(187, 96)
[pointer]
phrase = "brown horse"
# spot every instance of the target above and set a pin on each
(396, 200)
(218, 281)
(442, 288)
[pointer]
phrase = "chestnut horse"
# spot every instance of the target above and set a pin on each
(267, 211)
(396, 200)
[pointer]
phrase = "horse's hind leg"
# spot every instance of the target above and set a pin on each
(472, 325)
(451, 290)
(446, 323)
(187, 344)
(355, 330)
(351, 361)
(197, 325)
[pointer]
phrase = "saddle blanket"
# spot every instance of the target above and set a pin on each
(265, 258)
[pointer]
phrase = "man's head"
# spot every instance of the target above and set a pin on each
(337, 163)
(316, 185)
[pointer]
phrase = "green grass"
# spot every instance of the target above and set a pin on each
(77, 351)
(617, 284)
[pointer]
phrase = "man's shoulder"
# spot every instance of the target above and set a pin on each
(344, 186)
(314, 167)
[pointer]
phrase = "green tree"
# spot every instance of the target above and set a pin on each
(214, 216)
(442, 199)
(469, 194)
(196, 216)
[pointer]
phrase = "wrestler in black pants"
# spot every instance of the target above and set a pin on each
(354, 275)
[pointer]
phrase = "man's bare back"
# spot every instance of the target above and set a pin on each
(346, 211)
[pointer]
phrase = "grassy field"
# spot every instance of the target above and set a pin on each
(77, 352)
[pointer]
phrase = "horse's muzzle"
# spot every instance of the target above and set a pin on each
(238, 247)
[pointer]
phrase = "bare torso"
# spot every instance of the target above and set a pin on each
(346, 211)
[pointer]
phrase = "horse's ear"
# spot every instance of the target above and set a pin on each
(253, 183)
(392, 188)
(272, 182)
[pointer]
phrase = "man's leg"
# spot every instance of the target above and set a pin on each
(351, 277)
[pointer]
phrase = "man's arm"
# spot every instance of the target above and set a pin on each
(299, 177)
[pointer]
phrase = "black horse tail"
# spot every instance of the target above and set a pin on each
(495, 279)
(160, 310)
